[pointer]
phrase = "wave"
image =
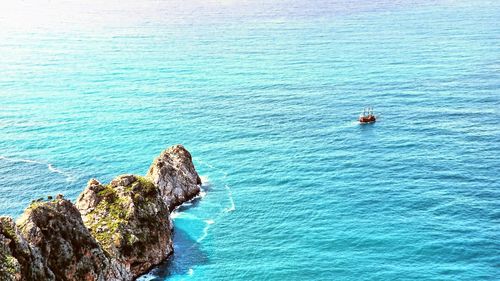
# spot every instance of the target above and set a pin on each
(206, 182)
(225, 175)
(183, 215)
(205, 230)
(202, 194)
(69, 177)
(19, 160)
(232, 207)
(50, 167)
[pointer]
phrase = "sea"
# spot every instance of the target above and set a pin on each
(266, 95)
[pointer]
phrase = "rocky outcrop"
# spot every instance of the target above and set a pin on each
(174, 174)
(115, 231)
(129, 219)
(66, 248)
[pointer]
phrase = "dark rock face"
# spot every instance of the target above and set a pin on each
(174, 174)
(115, 232)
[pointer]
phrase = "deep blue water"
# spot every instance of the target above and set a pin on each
(265, 96)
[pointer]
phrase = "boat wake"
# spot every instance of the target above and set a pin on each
(50, 167)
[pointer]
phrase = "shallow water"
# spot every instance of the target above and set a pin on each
(265, 96)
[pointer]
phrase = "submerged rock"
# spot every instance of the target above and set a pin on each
(116, 231)
(174, 174)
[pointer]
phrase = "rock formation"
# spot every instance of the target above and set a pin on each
(174, 174)
(116, 231)
(129, 219)
(64, 245)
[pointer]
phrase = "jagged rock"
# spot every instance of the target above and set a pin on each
(88, 199)
(130, 220)
(68, 251)
(123, 180)
(174, 174)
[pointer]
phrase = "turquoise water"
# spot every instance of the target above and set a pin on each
(265, 96)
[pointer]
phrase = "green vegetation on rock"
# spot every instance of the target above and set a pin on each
(108, 221)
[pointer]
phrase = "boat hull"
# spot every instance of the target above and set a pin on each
(367, 120)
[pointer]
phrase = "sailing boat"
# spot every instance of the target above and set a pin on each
(367, 116)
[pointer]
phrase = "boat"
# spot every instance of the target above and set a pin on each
(367, 116)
